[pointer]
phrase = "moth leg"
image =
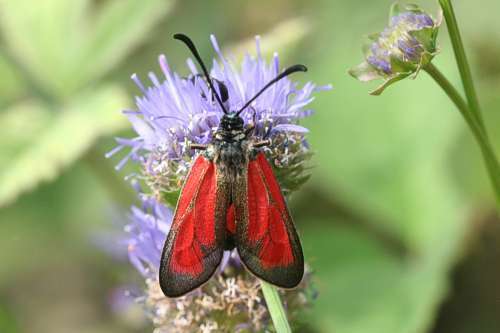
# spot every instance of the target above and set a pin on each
(263, 143)
(249, 129)
(252, 125)
(268, 132)
(198, 146)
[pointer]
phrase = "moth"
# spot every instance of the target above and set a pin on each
(230, 199)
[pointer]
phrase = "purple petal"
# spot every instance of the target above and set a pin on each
(290, 128)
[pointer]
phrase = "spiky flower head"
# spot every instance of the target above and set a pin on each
(404, 47)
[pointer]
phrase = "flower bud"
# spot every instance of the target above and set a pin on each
(401, 49)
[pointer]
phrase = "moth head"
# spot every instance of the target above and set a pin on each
(231, 122)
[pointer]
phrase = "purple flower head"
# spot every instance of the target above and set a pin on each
(401, 49)
(174, 111)
(399, 41)
(147, 230)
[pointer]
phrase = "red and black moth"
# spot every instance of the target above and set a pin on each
(231, 199)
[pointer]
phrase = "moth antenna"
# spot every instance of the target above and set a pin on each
(285, 73)
(189, 43)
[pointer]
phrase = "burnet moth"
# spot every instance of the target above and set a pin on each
(231, 199)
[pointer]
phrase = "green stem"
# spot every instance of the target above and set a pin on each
(478, 131)
(275, 308)
(461, 58)
(474, 109)
(456, 98)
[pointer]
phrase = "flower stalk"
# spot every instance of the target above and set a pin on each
(275, 307)
(471, 110)
(461, 58)
(475, 125)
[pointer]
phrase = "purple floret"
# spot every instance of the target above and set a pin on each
(148, 229)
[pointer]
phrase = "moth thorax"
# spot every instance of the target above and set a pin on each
(232, 157)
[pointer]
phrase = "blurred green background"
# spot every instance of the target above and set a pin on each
(398, 220)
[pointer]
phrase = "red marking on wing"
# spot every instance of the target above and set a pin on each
(194, 220)
(268, 216)
(231, 220)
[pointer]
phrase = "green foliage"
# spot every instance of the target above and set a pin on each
(118, 29)
(407, 188)
(398, 176)
(48, 141)
(55, 50)
(63, 47)
(7, 323)
(171, 198)
(10, 84)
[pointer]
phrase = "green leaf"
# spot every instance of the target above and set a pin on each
(413, 8)
(391, 80)
(120, 26)
(364, 72)
(8, 323)
(39, 143)
(427, 37)
(171, 198)
(63, 47)
(395, 10)
(11, 85)
(43, 36)
(372, 37)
